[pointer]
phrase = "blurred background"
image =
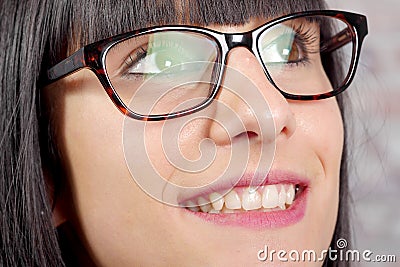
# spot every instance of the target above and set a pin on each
(374, 122)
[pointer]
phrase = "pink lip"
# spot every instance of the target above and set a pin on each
(259, 219)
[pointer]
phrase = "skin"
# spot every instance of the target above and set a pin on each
(120, 225)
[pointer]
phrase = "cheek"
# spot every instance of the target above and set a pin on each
(119, 223)
(182, 148)
(103, 195)
(321, 127)
(92, 150)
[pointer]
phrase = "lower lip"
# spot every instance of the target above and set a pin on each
(259, 219)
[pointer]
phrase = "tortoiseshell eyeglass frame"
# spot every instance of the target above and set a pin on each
(93, 56)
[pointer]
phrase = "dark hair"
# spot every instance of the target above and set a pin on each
(37, 33)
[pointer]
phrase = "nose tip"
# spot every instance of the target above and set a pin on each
(239, 117)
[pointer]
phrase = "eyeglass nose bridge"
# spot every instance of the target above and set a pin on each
(246, 40)
(239, 40)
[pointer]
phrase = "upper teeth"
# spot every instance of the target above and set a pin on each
(263, 197)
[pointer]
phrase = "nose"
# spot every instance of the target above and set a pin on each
(249, 106)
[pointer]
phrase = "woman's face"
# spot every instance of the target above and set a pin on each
(122, 225)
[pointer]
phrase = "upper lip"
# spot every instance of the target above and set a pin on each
(223, 186)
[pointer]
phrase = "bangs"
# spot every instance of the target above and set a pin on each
(76, 23)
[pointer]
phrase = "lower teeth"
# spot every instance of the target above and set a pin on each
(227, 211)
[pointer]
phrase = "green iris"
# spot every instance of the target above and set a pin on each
(169, 57)
(281, 50)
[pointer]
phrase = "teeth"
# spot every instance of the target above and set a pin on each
(226, 210)
(264, 198)
(214, 211)
(290, 195)
(270, 197)
(217, 201)
(204, 204)
(282, 198)
(232, 200)
(192, 206)
(251, 199)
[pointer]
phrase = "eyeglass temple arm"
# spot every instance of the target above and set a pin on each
(69, 65)
(337, 41)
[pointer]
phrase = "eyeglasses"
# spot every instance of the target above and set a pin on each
(167, 72)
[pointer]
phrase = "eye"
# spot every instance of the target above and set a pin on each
(154, 59)
(286, 48)
(161, 58)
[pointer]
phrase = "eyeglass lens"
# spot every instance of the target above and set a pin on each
(305, 57)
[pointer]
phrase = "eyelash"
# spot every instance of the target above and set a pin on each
(138, 55)
(305, 39)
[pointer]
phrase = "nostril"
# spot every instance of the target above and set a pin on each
(251, 134)
(247, 134)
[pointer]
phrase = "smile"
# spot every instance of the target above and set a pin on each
(279, 201)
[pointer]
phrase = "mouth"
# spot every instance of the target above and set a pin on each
(280, 201)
